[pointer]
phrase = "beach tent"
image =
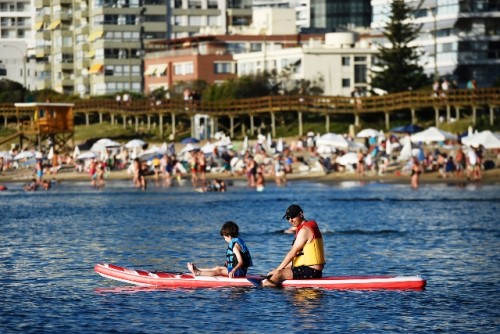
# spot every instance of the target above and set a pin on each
(333, 140)
(76, 152)
(432, 134)
(245, 145)
(51, 153)
(279, 146)
(486, 138)
(406, 151)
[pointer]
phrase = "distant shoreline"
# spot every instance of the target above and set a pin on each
(489, 177)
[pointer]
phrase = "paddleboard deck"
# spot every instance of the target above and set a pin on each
(185, 280)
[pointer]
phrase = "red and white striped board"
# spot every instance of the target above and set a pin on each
(174, 280)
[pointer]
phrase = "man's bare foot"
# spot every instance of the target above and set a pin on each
(192, 268)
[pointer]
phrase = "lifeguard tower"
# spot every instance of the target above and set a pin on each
(42, 123)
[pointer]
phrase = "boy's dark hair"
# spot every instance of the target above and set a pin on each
(229, 229)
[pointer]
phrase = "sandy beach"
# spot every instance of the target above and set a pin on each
(67, 174)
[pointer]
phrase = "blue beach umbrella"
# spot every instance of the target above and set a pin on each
(410, 128)
(189, 140)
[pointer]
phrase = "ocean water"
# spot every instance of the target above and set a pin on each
(50, 241)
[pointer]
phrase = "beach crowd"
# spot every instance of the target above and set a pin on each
(265, 160)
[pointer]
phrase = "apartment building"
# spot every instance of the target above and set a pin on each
(97, 47)
(208, 58)
(460, 38)
(209, 55)
(341, 63)
(325, 15)
(17, 19)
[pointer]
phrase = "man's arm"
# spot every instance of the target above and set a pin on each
(298, 245)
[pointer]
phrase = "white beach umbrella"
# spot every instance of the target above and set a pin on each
(349, 158)
(486, 138)
(102, 145)
(367, 133)
(208, 148)
(432, 134)
(333, 139)
(149, 153)
(188, 148)
(86, 155)
(325, 149)
(6, 155)
(135, 143)
(24, 155)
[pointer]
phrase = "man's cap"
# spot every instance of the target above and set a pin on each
(293, 211)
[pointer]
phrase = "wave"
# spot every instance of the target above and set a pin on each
(419, 200)
(364, 232)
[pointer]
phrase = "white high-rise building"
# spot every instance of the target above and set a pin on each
(460, 38)
(97, 47)
(17, 19)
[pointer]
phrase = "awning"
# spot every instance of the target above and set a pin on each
(160, 69)
(96, 68)
(38, 25)
(54, 24)
(95, 35)
(150, 70)
(91, 54)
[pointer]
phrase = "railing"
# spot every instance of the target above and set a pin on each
(489, 97)
(326, 105)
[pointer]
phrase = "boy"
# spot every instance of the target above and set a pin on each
(238, 257)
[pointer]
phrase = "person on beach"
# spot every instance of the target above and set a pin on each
(306, 258)
(31, 186)
(39, 171)
(416, 170)
(238, 257)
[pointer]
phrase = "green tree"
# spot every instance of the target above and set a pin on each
(11, 91)
(399, 69)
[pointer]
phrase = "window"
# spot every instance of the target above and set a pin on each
(346, 83)
(346, 61)
(222, 68)
(183, 68)
(195, 21)
(360, 73)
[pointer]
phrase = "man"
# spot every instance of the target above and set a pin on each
(306, 258)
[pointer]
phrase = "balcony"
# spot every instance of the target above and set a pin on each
(43, 51)
(42, 3)
(44, 83)
(43, 35)
(61, 2)
(63, 16)
(43, 67)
